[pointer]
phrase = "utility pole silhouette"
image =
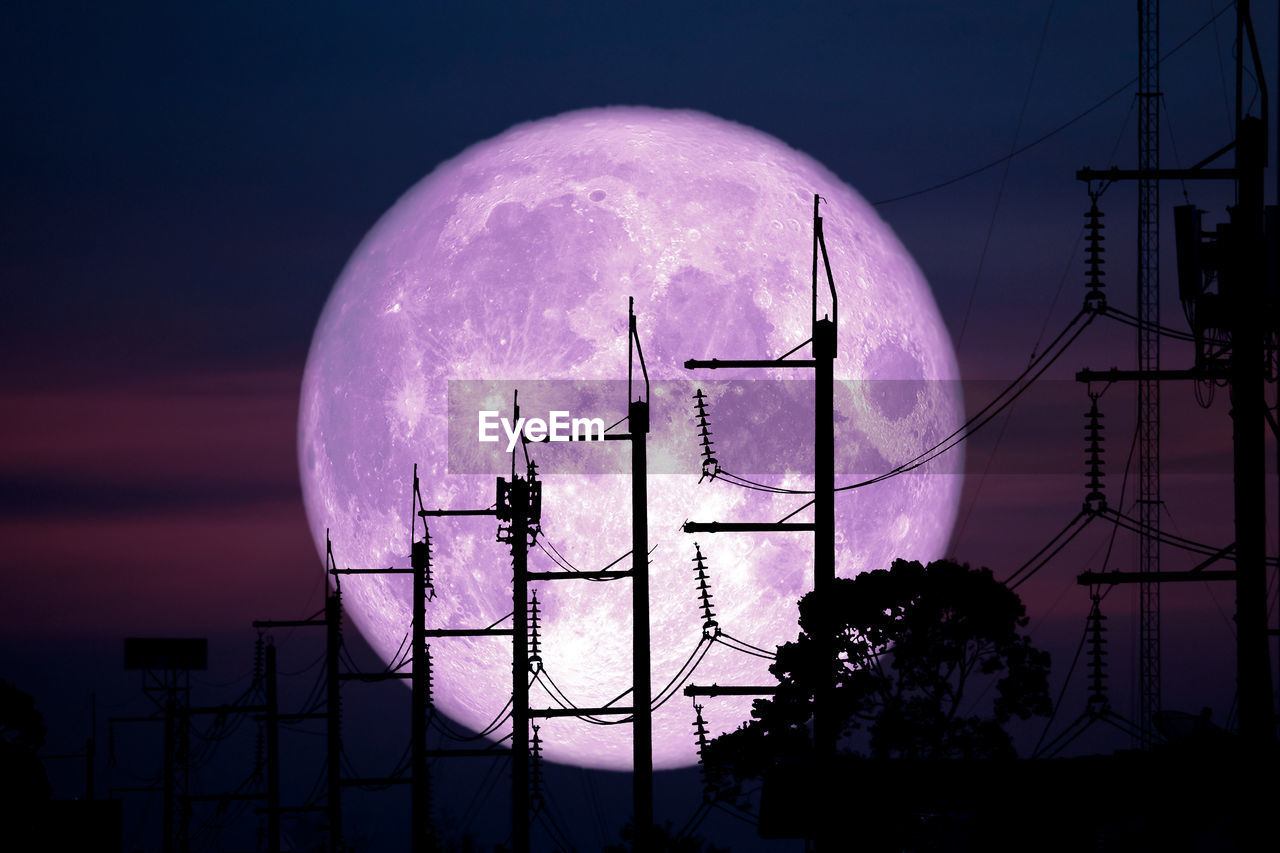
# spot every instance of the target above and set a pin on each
(333, 702)
(273, 753)
(420, 686)
(266, 711)
(823, 347)
(1230, 330)
(331, 621)
(422, 831)
(642, 726)
(641, 709)
(518, 506)
(166, 665)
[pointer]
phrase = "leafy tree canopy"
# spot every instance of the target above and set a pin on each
(21, 725)
(24, 786)
(929, 662)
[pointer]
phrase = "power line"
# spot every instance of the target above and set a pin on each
(1036, 368)
(1052, 133)
(681, 677)
(1004, 178)
(988, 412)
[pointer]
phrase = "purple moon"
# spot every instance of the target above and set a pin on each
(512, 263)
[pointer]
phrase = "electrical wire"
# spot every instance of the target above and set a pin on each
(589, 787)
(1004, 178)
(316, 696)
(695, 821)
(438, 720)
(490, 778)
(553, 829)
(1166, 538)
(1055, 131)
(957, 535)
(1124, 482)
(563, 563)
(1130, 320)
(750, 820)
(399, 661)
(1222, 74)
(682, 677)
(1073, 527)
(1035, 348)
(1035, 369)
(1208, 587)
(744, 649)
(313, 796)
(765, 652)
(558, 696)
(346, 657)
(993, 408)
(759, 487)
(402, 763)
(552, 813)
(1044, 327)
(1084, 635)
(305, 669)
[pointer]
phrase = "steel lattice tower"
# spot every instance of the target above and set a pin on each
(1148, 261)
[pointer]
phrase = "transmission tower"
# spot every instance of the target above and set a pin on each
(1230, 327)
(1148, 259)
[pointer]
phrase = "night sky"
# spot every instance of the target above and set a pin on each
(183, 183)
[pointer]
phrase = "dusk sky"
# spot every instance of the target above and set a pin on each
(183, 184)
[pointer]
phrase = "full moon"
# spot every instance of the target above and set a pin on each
(509, 268)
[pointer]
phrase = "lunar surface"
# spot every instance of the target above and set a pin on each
(509, 267)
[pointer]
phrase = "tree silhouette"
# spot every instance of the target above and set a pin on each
(918, 652)
(24, 787)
